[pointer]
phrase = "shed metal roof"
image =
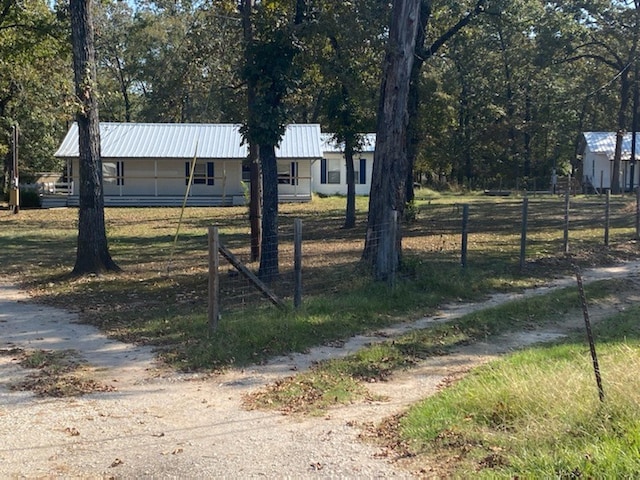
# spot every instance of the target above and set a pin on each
(330, 145)
(186, 140)
(605, 143)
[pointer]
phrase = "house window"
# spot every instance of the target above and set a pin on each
(361, 173)
(288, 173)
(329, 171)
(246, 173)
(113, 172)
(202, 173)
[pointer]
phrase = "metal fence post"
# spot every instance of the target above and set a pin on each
(213, 307)
(297, 262)
(465, 234)
(607, 215)
(566, 221)
(523, 235)
(638, 212)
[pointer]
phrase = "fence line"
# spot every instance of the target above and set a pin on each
(319, 261)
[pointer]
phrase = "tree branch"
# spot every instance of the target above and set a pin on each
(425, 53)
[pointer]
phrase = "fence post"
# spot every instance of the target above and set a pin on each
(393, 252)
(523, 235)
(592, 345)
(607, 211)
(601, 182)
(213, 308)
(297, 262)
(638, 212)
(465, 234)
(566, 221)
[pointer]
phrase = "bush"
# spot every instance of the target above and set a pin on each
(30, 198)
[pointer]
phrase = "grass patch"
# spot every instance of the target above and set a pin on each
(55, 374)
(378, 362)
(309, 393)
(536, 413)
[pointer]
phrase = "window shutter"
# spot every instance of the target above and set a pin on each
(209, 173)
(186, 173)
(363, 171)
(323, 171)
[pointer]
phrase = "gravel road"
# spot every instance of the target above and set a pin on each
(160, 424)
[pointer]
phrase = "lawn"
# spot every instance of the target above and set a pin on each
(161, 297)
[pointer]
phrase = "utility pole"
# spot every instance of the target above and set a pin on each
(14, 186)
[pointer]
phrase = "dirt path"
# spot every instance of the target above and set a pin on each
(158, 424)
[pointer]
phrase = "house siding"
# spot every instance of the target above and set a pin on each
(137, 168)
(598, 149)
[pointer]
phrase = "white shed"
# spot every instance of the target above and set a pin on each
(329, 176)
(148, 164)
(597, 150)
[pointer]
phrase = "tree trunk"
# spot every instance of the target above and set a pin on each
(255, 210)
(382, 244)
(93, 253)
(414, 136)
(269, 258)
(625, 89)
(617, 156)
(527, 135)
(255, 198)
(350, 215)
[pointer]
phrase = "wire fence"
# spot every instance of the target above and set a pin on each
(166, 270)
(516, 231)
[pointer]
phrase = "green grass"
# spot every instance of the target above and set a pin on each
(536, 413)
(378, 362)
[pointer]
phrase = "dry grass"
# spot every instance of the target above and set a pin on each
(166, 283)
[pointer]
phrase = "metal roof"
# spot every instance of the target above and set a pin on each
(605, 143)
(186, 140)
(330, 145)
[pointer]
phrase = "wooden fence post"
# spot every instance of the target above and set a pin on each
(465, 234)
(566, 221)
(297, 262)
(607, 211)
(213, 309)
(523, 235)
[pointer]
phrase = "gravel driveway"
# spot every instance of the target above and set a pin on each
(160, 424)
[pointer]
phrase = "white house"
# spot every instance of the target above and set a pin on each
(329, 175)
(597, 150)
(148, 164)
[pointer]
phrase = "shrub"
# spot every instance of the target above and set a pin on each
(30, 198)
